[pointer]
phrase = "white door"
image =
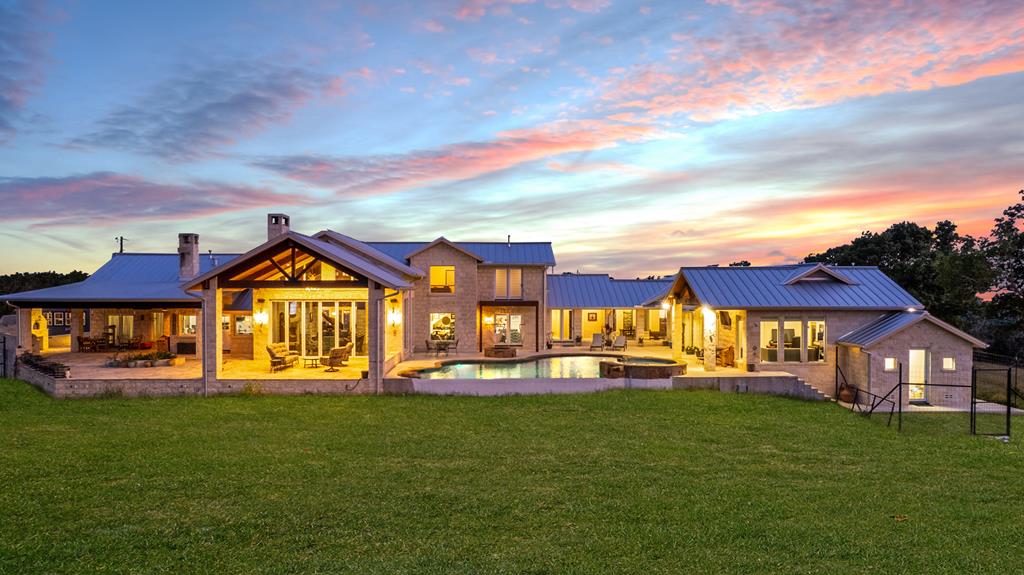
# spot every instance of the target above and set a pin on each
(917, 375)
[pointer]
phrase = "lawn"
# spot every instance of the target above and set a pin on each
(618, 482)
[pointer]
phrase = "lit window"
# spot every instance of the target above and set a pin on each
(508, 328)
(508, 283)
(187, 324)
(243, 324)
(816, 341)
(442, 279)
(442, 326)
(769, 340)
(949, 364)
(225, 323)
(58, 319)
(890, 364)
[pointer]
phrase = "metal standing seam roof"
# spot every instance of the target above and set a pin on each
(766, 288)
(601, 291)
(890, 324)
(493, 253)
(127, 277)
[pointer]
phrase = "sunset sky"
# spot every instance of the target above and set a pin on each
(636, 136)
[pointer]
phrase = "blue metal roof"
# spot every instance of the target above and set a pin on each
(493, 253)
(601, 291)
(127, 278)
(766, 288)
(893, 323)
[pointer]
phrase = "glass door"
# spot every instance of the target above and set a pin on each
(917, 376)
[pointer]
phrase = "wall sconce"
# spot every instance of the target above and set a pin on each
(395, 316)
(489, 319)
(260, 318)
(665, 305)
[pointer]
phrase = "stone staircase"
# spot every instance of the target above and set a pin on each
(784, 384)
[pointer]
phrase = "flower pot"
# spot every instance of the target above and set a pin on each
(163, 362)
(177, 361)
(133, 364)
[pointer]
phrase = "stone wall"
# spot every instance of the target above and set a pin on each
(463, 303)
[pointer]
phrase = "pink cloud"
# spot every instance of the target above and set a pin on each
(473, 10)
(108, 196)
(777, 55)
(487, 57)
(384, 174)
(433, 26)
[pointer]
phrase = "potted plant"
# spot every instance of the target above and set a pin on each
(549, 343)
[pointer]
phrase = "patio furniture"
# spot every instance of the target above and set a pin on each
(597, 343)
(337, 357)
(310, 361)
(86, 344)
(726, 357)
(135, 342)
(281, 357)
(629, 332)
(500, 351)
(619, 343)
(442, 346)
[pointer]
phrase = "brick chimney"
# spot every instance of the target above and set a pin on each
(277, 224)
(188, 256)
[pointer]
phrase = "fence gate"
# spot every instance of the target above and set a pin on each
(993, 396)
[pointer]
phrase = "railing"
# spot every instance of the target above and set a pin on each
(3, 356)
(873, 403)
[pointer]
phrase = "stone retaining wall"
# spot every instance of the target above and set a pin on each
(81, 388)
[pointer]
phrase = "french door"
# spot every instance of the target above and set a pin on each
(917, 374)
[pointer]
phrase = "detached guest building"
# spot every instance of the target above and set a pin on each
(386, 302)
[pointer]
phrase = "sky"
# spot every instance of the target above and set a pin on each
(636, 136)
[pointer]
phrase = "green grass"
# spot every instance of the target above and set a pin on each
(619, 482)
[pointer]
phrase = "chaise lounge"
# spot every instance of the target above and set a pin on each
(281, 357)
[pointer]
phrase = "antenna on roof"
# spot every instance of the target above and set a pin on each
(120, 243)
(212, 259)
(508, 241)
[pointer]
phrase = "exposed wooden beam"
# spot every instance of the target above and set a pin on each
(250, 284)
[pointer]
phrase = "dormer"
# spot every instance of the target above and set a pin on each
(817, 273)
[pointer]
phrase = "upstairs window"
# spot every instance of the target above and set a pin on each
(508, 283)
(442, 279)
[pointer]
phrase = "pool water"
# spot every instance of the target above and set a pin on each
(561, 367)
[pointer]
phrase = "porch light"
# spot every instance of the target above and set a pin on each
(489, 319)
(665, 305)
(260, 318)
(395, 316)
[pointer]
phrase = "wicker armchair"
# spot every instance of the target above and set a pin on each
(338, 357)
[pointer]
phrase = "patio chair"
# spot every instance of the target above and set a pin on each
(281, 357)
(431, 346)
(619, 343)
(597, 343)
(86, 344)
(338, 357)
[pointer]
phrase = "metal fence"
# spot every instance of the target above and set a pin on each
(7, 348)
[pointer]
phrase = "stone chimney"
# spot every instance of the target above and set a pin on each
(277, 224)
(188, 256)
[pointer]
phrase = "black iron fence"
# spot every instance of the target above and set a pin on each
(988, 402)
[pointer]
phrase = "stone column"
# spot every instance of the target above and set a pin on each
(710, 330)
(375, 336)
(76, 328)
(24, 330)
(212, 335)
(677, 330)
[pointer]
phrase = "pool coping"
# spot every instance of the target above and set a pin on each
(414, 373)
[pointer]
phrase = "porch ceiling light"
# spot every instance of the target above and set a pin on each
(665, 305)
(260, 318)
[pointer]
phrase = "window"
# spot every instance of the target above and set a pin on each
(58, 318)
(949, 364)
(442, 279)
(770, 340)
(508, 328)
(67, 318)
(225, 323)
(122, 326)
(793, 340)
(187, 325)
(816, 341)
(508, 283)
(442, 326)
(890, 364)
(243, 324)
(158, 325)
(561, 324)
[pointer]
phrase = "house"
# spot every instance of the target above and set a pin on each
(295, 298)
(817, 322)
(581, 305)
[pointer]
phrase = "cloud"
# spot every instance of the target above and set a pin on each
(108, 197)
(369, 175)
(785, 54)
(473, 10)
(201, 111)
(433, 26)
(22, 54)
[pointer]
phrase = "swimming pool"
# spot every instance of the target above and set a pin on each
(553, 367)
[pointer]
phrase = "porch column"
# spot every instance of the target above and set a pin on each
(677, 330)
(375, 336)
(710, 338)
(24, 331)
(212, 335)
(76, 328)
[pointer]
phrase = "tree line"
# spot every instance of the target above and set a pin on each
(975, 283)
(26, 281)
